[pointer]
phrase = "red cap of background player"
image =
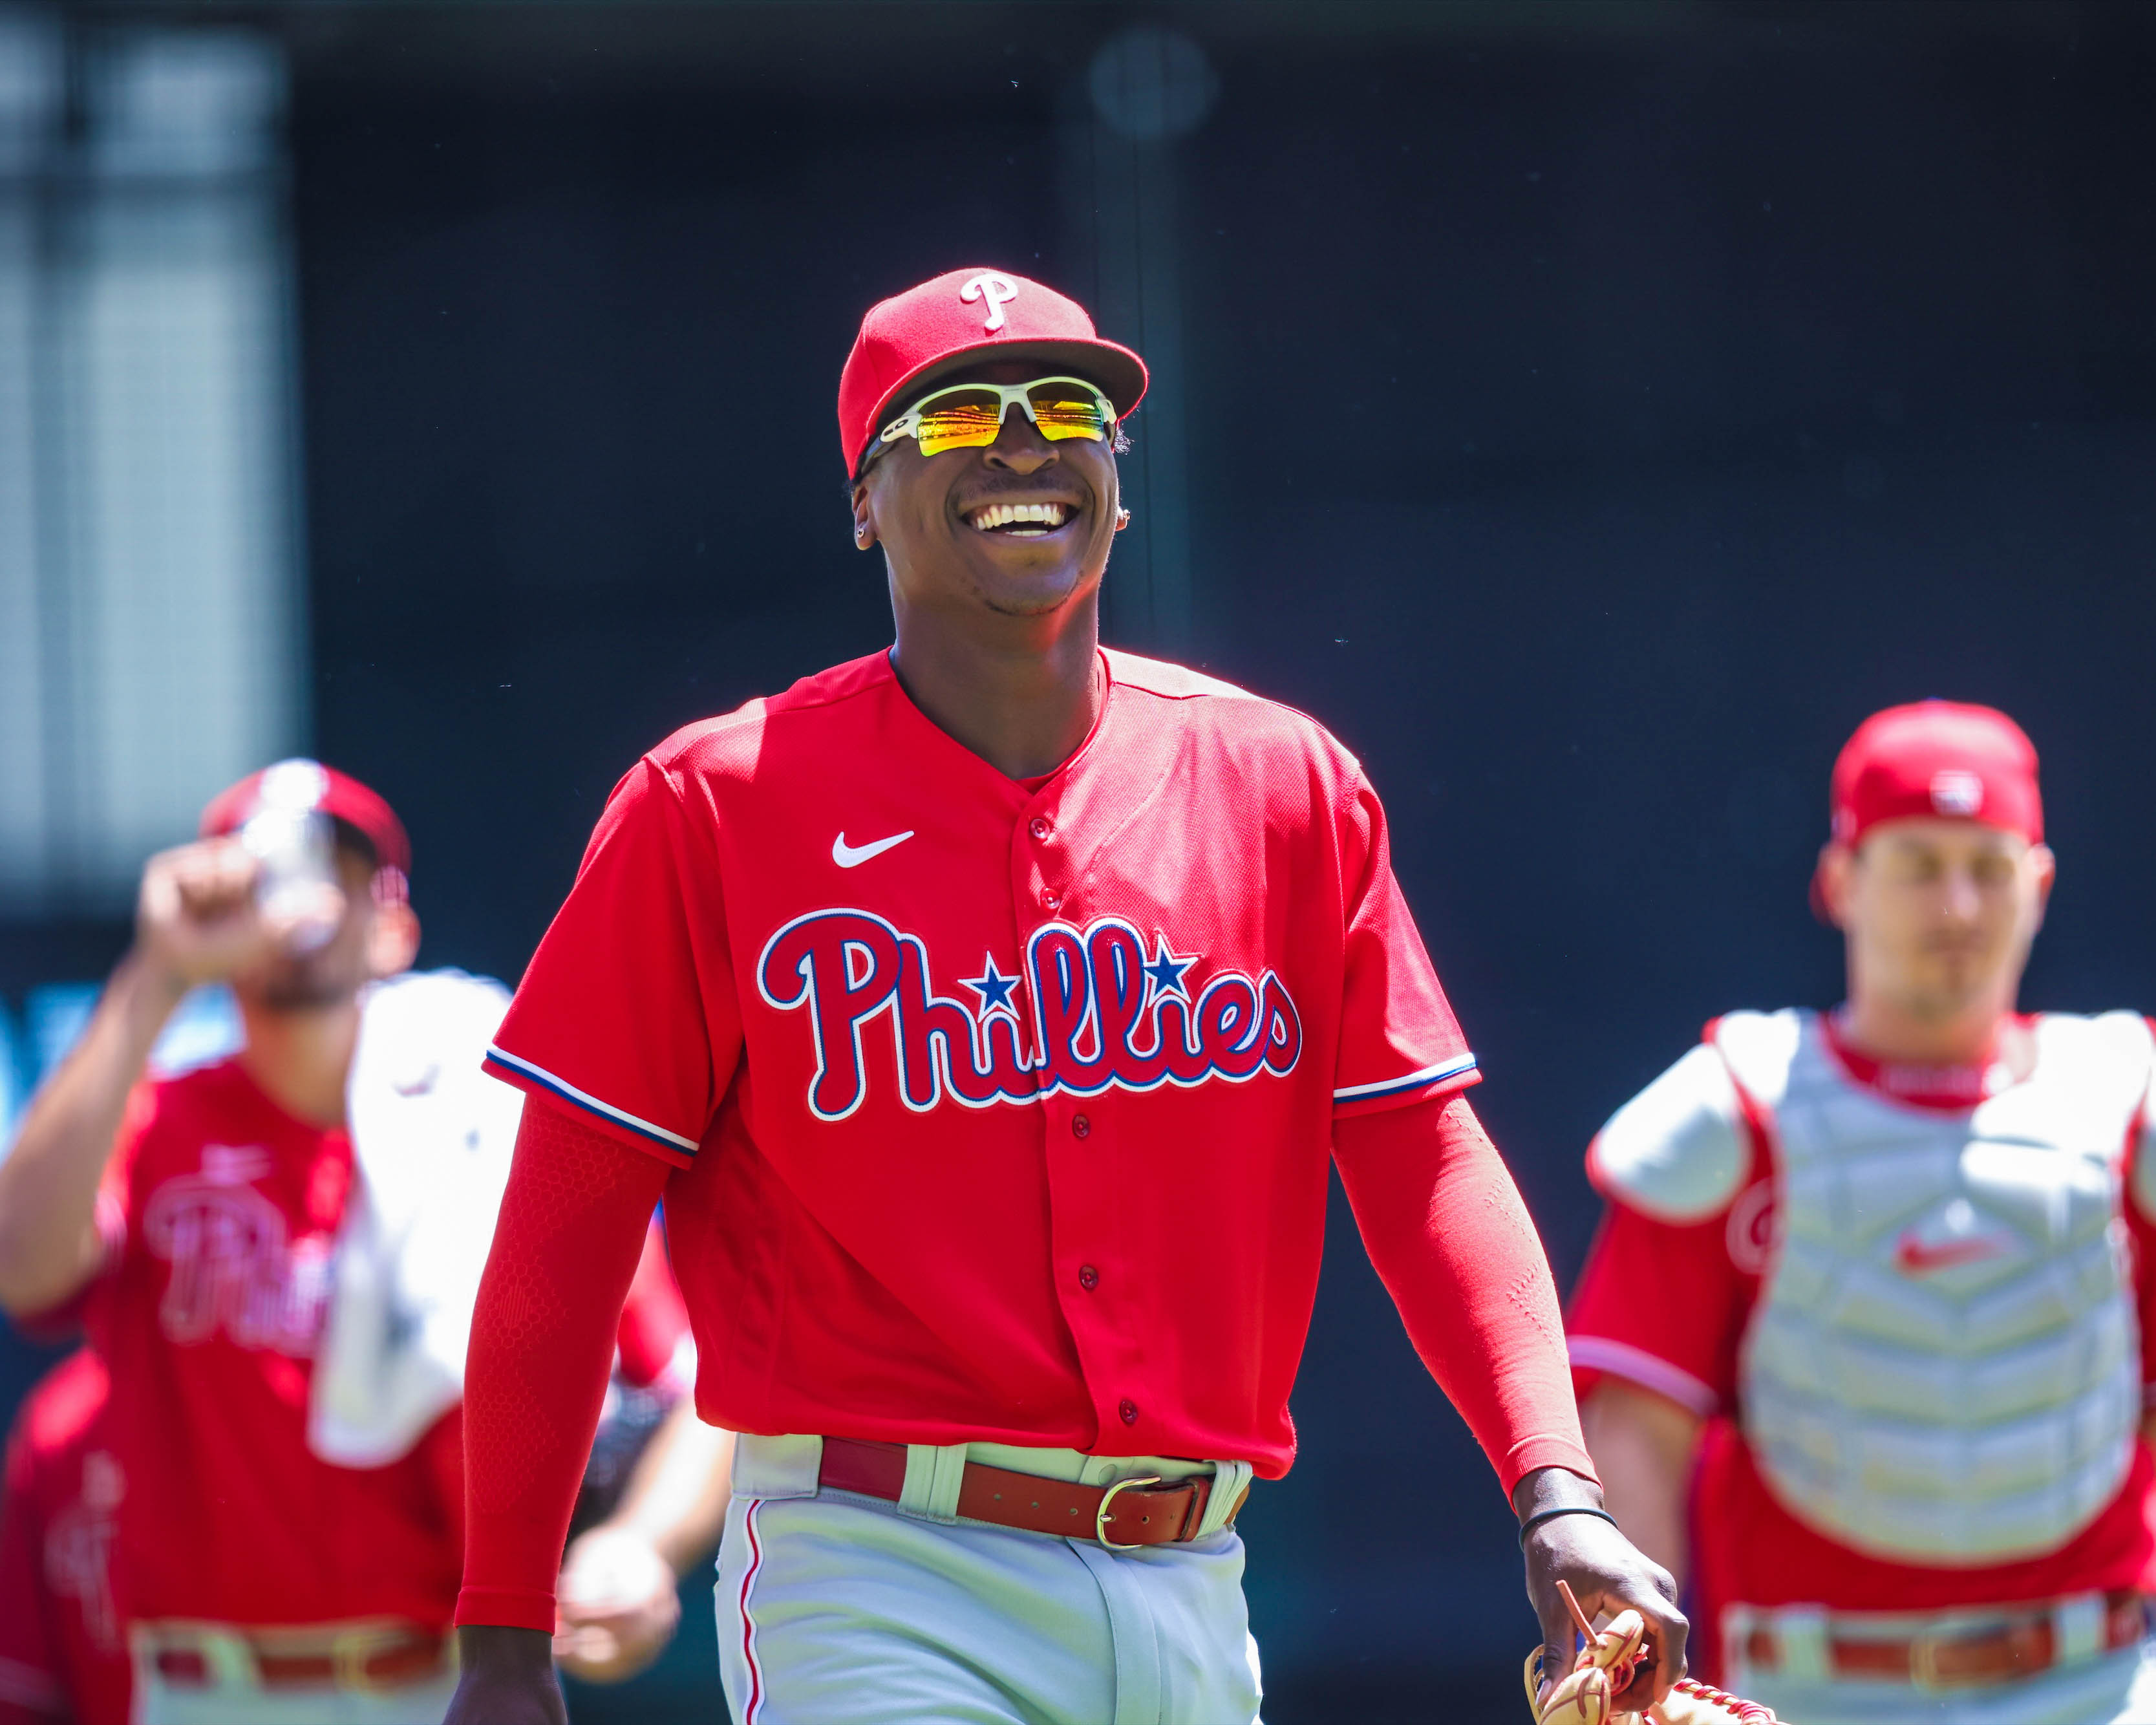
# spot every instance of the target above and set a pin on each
(1935, 758)
(905, 339)
(308, 784)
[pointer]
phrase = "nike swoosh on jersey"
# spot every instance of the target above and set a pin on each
(852, 856)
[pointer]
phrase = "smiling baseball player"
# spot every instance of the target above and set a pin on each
(1873, 1289)
(988, 1010)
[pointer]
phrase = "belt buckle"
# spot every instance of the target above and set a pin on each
(1924, 1663)
(1100, 1514)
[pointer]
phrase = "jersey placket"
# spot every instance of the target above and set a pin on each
(1091, 1267)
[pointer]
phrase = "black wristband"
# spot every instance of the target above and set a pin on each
(1540, 1516)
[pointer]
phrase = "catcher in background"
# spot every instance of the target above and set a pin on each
(1859, 1344)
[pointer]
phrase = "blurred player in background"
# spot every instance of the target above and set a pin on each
(62, 1618)
(274, 1257)
(990, 1010)
(1873, 1287)
(654, 1500)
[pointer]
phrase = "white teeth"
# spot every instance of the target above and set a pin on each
(990, 516)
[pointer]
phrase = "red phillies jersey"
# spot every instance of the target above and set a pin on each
(1002, 1111)
(63, 1618)
(219, 1210)
(1666, 1305)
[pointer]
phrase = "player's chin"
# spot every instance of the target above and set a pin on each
(1012, 600)
(1016, 587)
(1954, 980)
(300, 985)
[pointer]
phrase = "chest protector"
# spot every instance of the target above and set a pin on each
(1943, 1366)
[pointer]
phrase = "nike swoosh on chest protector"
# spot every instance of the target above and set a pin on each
(1915, 1257)
(852, 856)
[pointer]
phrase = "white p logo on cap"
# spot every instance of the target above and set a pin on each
(1957, 792)
(998, 290)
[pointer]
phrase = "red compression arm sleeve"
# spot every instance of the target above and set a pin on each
(572, 1226)
(1446, 1228)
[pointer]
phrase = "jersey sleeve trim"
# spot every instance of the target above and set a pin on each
(509, 1607)
(516, 1070)
(1457, 1066)
(1621, 1359)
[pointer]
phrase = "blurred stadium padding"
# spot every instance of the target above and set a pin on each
(150, 603)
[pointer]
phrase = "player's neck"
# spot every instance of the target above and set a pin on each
(1022, 693)
(302, 1058)
(1889, 1029)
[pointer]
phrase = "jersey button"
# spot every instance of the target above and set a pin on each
(1038, 826)
(1129, 1409)
(1048, 899)
(1089, 1278)
(1081, 1127)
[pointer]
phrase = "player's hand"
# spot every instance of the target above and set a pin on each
(506, 1678)
(197, 922)
(1608, 1574)
(617, 1607)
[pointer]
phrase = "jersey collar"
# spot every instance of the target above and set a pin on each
(1949, 1088)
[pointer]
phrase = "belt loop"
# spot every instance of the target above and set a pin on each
(228, 1658)
(2077, 1628)
(1230, 1480)
(1800, 1643)
(934, 1474)
(777, 1467)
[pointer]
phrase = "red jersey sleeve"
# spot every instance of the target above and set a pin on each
(1452, 1240)
(1661, 1305)
(628, 1012)
(1399, 1042)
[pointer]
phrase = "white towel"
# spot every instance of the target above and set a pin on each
(431, 1139)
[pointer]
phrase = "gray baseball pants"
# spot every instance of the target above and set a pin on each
(839, 1610)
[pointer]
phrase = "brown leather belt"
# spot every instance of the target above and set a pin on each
(285, 1658)
(1126, 1514)
(2020, 1647)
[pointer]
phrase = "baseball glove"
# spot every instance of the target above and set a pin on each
(1602, 1670)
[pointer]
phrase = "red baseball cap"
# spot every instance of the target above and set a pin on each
(308, 784)
(964, 312)
(1937, 757)
(1930, 759)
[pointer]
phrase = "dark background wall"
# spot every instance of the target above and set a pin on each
(1592, 412)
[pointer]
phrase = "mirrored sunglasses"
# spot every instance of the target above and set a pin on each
(970, 416)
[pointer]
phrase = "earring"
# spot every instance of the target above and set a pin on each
(861, 533)
(1122, 517)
